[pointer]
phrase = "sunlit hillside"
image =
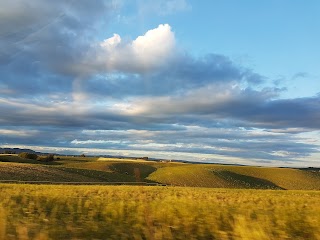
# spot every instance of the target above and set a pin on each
(210, 175)
(87, 169)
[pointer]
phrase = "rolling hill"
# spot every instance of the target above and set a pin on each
(221, 176)
(76, 169)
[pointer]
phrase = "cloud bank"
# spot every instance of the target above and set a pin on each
(62, 87)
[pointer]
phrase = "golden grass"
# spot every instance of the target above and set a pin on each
(122, 160)
(99, 166)
(120, 212)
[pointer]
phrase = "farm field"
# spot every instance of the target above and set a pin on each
(147, 212)
(159, 120)
(89, 169)
(198, 201)
(211, 175)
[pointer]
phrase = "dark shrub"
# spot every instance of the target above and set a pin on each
(8, 152)
(27, 155)
(50, 157)
(47, 158)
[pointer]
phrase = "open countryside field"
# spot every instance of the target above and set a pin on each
(215, 202)
(79, 169)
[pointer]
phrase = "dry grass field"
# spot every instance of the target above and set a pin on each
(137, 212)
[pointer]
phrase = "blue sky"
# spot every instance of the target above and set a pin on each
(220, 81)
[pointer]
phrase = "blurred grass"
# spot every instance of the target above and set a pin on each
(122, 212)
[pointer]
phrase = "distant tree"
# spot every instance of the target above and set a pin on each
(145, 158)
(9, 152)
(46, 158)
(82, 155)
(50, 158)
(27, 155)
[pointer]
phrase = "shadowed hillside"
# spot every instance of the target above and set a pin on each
(220, 176)
(80, 169)
(35, 172)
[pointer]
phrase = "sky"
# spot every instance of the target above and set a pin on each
(223, 81)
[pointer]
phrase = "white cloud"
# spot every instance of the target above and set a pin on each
(155, 45)
(143, 54)
(110, 43)
(19, 133)
(80, 142)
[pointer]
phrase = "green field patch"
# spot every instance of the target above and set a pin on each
(91, 165)
(100, 176)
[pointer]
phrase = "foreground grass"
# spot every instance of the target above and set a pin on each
(121, 212)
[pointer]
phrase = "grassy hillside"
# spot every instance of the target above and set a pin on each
(210, 175)
(19, 169)
(86, 169)
(33, 172)
(15, 159)
(137, 212)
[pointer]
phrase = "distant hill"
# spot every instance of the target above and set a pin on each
(92, 169)
(16, 150)
(223, 176)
